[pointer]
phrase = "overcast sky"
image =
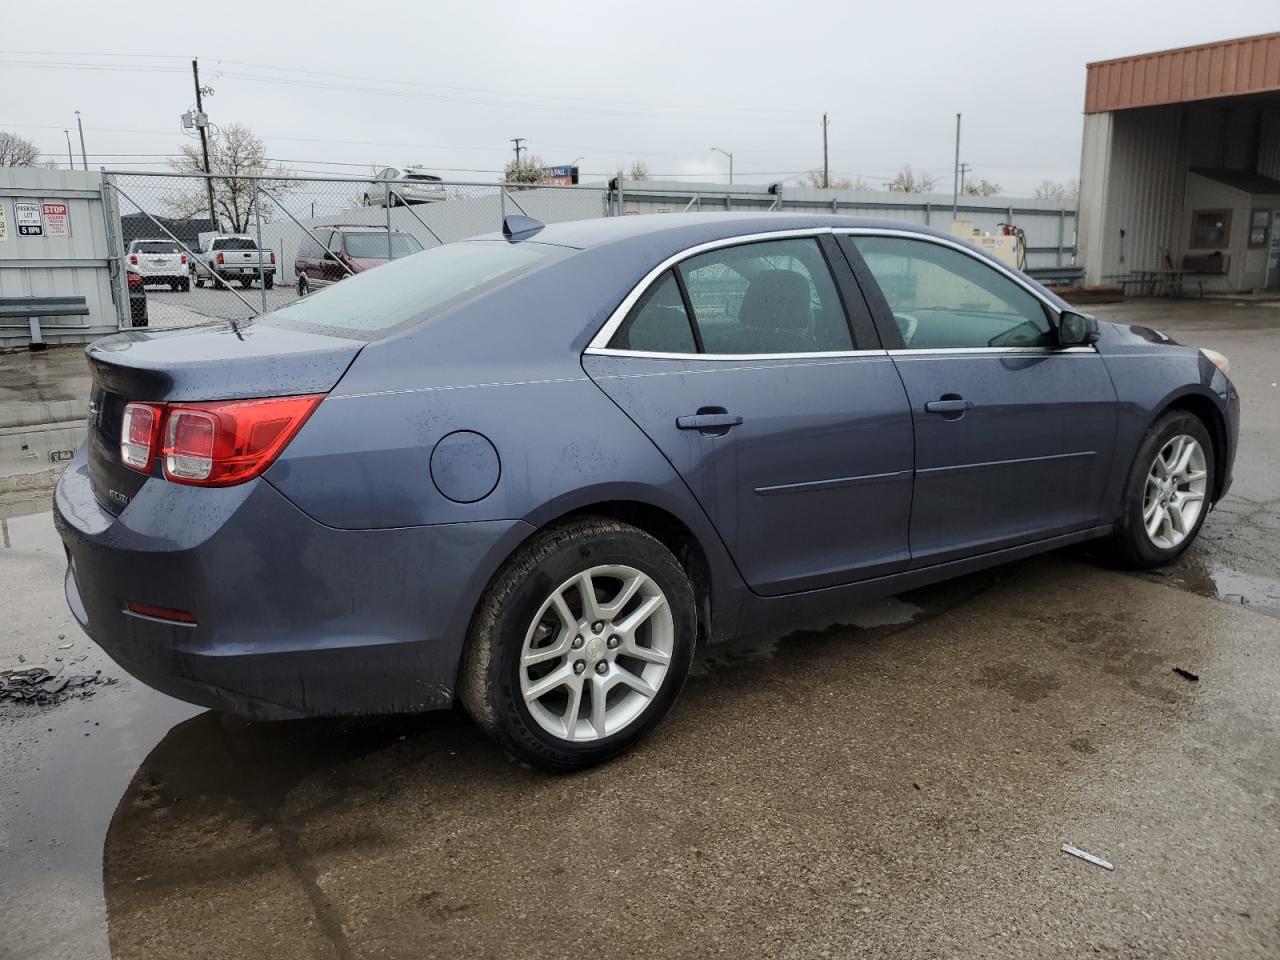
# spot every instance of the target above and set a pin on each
(448, 85)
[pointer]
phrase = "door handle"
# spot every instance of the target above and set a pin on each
(709, 421)
(952, 406)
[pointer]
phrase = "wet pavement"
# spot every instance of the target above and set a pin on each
(898, 785)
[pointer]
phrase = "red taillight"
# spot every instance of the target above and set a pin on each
(139, 434)
(220, 444)
(135, 280)
(182, 259)
(219, 259)
(160, 613)
(273, 258)
(133, 258)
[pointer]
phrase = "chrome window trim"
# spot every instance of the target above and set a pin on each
(736, 357)
(598, 347)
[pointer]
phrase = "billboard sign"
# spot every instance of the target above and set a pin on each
(564, 175)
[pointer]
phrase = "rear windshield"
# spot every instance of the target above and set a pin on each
(373, 246)
(422, 176)
(419, 287)
(235, 243)
(155, 246)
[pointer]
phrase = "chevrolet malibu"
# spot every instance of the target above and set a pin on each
(530, 472)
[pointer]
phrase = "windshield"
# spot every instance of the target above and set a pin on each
(155, 246)
(234, 243)
(373, 246)
(419, 287)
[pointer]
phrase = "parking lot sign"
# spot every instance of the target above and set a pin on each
(57, 222)
(27, 215)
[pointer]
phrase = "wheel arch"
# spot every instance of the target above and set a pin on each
(1205, 409)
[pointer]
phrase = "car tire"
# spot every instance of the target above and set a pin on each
(303, 287)
(496, 684)
(269, 281)
(185, 285)
(199, 280)
(1154, 498)
(366, 200)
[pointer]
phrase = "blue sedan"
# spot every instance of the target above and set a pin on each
(532, 471)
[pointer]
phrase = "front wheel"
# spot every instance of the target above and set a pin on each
(1167, 495)
(580, 644)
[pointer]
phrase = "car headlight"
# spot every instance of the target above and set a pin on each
(1218, 360)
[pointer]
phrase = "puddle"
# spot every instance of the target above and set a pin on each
(1218, 581)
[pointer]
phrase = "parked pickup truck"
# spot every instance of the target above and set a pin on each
(232, 257)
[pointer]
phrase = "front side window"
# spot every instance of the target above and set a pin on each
(769, 297)
(943, 298)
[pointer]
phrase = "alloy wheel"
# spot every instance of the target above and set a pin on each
(1175, 491)
(596, 653)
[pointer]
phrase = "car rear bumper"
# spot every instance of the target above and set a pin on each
(292, 618)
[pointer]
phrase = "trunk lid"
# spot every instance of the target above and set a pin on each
(223, 362)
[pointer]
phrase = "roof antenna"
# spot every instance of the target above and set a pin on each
(516, 227)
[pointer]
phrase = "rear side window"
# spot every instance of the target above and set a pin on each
(374, 246)
(419, 287)
(658, 322)
(774, 296)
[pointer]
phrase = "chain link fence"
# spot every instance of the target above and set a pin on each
(196, 249)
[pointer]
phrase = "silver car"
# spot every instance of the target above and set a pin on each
(396, 188)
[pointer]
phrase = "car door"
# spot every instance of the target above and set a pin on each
(739, 362)
(330, 269)
(1013, 435)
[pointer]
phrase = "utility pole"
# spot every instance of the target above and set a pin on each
(826, 172)
(964, 168)
(201, 125)
(517, 141)
(955, 178)
(84, 158)
(71, 164)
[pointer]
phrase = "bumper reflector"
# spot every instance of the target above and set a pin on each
(160, 613)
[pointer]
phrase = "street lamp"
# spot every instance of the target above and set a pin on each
(71, 164)
(730, 156)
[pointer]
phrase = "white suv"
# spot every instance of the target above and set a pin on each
(159, 261)
(410, 185)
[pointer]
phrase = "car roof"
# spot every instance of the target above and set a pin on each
(687, 229)
(355, 227)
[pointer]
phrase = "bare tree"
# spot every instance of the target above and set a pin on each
(908, 181)
(639, 171)
(16, 151)
(235, 152)
(527, 170)
(982, 188)
(1058, 190)
(814, 179)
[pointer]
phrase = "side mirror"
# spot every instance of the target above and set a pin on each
(1076, 329)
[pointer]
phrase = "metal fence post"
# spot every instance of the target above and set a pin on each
(262, 254)
(115, 253)
(390, 199)
(928, 213)
(1062, 233)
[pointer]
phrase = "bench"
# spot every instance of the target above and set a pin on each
(1057, 276)
(31, 309)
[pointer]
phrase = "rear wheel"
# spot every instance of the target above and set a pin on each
(580, 644)
(269, 281)
(199, 280)
(1167, 495)
(303, 287)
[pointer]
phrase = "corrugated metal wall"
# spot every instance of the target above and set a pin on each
(1133, 176)
(47, 266)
